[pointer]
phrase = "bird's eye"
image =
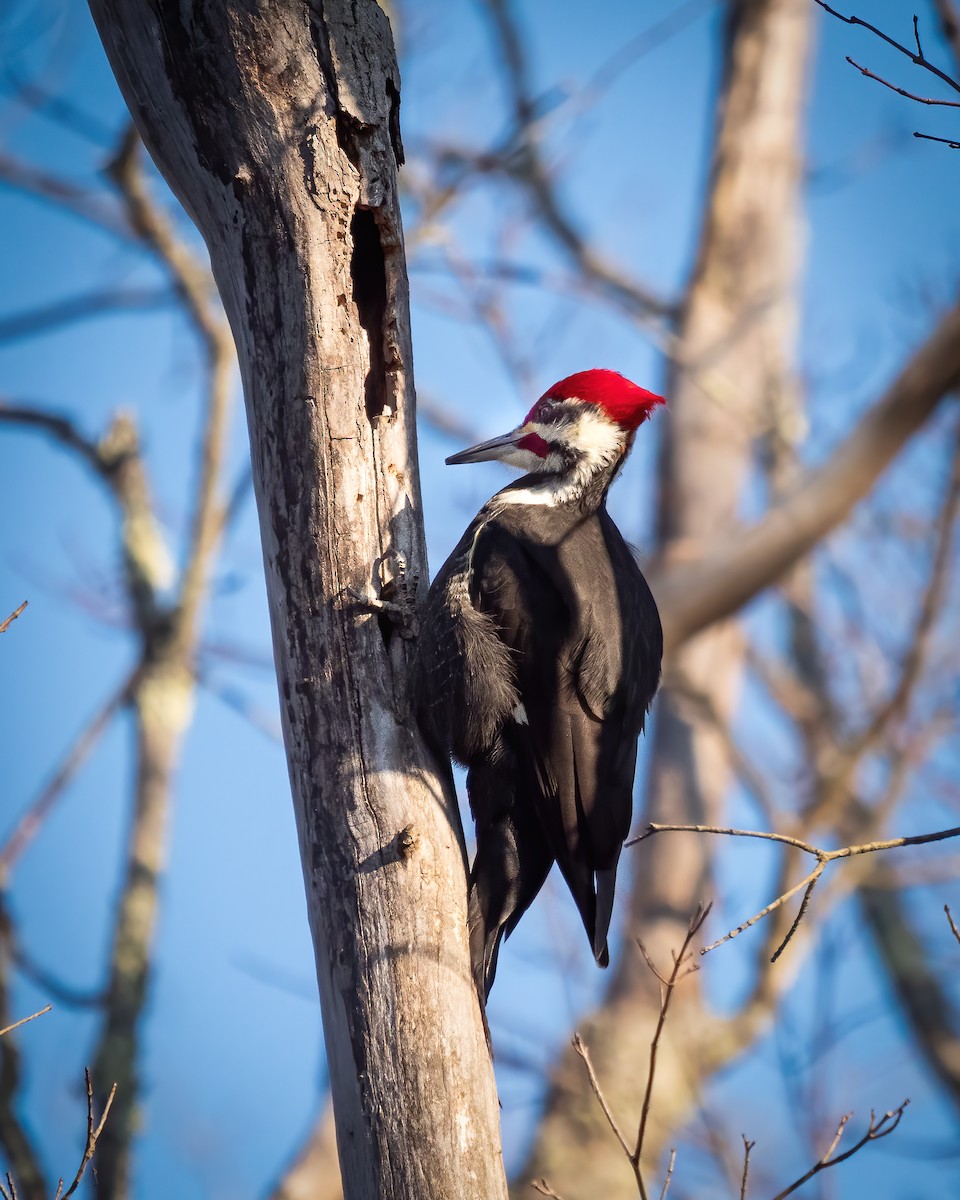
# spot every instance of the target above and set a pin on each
(547, 412)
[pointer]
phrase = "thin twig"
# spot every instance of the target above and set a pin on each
(670, 1166)
(32, 819)
(93, 1133)
(929, 137)
(823, 857)
(877, 1129)
(747, 1147)
(902, 91)
(682, 966)
(919, 59)
(521, 159)
(24, 1020)
(5, 625)
(584, 1053)
(953, 926)
(680, 961)
(544, 1188)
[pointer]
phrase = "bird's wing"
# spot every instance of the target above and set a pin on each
(466, 681)
(586, 675)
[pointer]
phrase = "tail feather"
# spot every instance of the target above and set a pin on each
(510, 867)
(606, 885)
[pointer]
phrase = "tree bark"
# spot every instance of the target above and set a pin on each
(277, 126)
(736, 343)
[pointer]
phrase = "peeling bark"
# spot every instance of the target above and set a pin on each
(277, 127)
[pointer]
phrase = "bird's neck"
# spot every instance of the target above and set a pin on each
(583, 486)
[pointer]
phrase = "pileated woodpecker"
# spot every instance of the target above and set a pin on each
(540, 652)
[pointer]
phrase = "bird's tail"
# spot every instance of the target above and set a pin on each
(606, 883)
(485, 933)
(511, 865)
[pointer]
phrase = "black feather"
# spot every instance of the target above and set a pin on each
(540, 652)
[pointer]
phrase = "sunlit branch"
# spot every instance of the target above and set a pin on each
(809, 882)
(8, 621)
(23, 1020)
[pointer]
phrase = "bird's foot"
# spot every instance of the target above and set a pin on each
(398, 596)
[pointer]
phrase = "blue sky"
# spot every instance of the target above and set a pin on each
(233, 1059)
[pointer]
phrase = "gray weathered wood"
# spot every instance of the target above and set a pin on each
(277, 126)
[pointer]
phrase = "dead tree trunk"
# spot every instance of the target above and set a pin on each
(277, 125)
(735, 353)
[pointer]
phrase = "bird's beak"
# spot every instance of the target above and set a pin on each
(498, 447)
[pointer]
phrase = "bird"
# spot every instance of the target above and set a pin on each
(540, 655)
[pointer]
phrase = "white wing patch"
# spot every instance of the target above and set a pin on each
(520, 715)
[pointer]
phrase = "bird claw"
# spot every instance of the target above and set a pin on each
(397, 599)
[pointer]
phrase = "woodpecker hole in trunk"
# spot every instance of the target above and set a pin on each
(368, 272)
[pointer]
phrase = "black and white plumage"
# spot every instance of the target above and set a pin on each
(540, 653)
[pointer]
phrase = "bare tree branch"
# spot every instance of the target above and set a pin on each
(8, 621)
(930, 607)
(544, 1188)
(682, 967)
(692, 595)
(22, 1158)
(747, 1147)
(93, 1134)
(876, 1130)
(195, 284)
(918, 58)
(522, 160)
(59, 109)
(902, 91)
(823, 857)
(928, 137)
(32, 819)
(23, 1020)
(924, 997)
(953, 926)
(58, 426)
(50, 189)
(52, 317)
